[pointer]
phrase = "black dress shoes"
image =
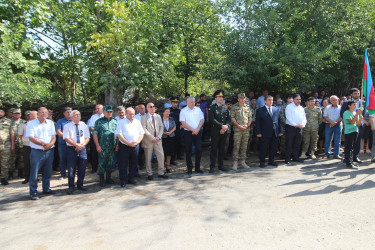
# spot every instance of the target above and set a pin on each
(212, 170)
(223, 169)
(351, 166)
(150, 177)
(25, 181)
(132, 182)
(287, 162)
(262, 165)
(164, 176)
(356, 159)
(272, 164)
(70, 191)
(81, 188)
(199, 171)
(298, 160)
(123, 185)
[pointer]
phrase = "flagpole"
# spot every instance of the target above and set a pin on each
(361, 102)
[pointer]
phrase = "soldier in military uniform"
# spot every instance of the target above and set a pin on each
(220, 128)
(16, 157)
(241, 119)
(310, 132)
(6, 145)
(283, 120)
(105, 142)
(252, 138)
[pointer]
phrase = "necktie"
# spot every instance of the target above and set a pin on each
(270, 111)
(153, 123)
(77, 133)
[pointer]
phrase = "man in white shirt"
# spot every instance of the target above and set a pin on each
(153, 127)
(295, 122)
(91, 123)
(76, 135)
(192, 120)
(130, 133)
(42, 136)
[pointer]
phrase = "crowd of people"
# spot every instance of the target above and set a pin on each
(133, 139)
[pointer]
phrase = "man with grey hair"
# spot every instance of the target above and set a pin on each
(130, 133)
(42, 136)
(191, 118)
(61, 147)
(332, 118)
(76, 135)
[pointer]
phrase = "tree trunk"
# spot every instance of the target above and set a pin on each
(84, 93)
(110, 97)
(72, 89)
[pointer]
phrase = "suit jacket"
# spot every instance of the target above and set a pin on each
(149, 130)
(172, 124)
(267, 125)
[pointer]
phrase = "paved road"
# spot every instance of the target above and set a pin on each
(315, 205)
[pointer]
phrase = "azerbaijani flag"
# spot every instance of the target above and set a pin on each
(368, 87)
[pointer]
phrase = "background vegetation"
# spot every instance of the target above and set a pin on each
(112, 51)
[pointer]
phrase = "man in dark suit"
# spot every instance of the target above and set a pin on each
(268, 129)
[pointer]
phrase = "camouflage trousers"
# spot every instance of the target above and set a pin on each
(4, 161)
(106, 161)
(310, 139)
(16, 159)
(241, 139)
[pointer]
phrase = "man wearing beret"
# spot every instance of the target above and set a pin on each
(105, 142)
(241, 119)
(220, 124)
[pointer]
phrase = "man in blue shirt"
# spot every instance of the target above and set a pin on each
(61, 143)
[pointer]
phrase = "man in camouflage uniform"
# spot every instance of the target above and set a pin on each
(16, 157)
(6, 145)
(310, 132)
(105, 141)
(283, 120)
(220, 128)
(241, 119)
(252, 138)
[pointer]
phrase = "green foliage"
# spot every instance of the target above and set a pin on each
(20, 77)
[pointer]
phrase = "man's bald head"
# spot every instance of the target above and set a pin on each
(130, 113)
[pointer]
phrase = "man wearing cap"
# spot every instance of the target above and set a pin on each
(152, 140)
(220, 128)
(42, 136)
(310, 133)
(6, 145)
(16, 158)
(76, 135)
(241, 118)
(105, 142)
(295, 122)
(61, 143)
(31, 115)
(175, 114)
(91, 124)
